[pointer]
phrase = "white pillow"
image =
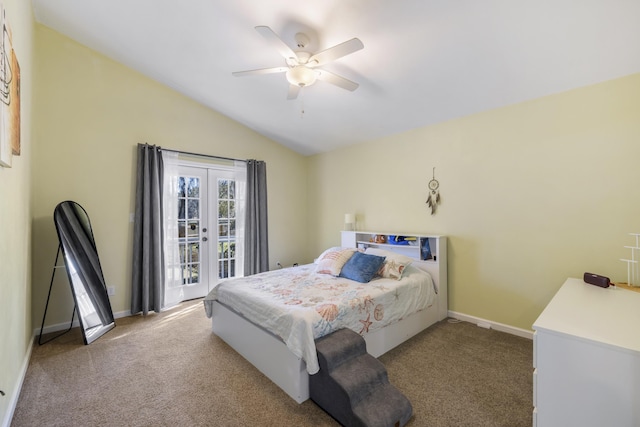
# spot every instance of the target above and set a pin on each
(335, 248)
(333, 259)
(394, 263)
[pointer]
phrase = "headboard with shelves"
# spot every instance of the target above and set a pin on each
(430, 252)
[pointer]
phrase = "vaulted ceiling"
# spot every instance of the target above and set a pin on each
(423, 61)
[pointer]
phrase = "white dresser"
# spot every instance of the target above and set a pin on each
(586, 358)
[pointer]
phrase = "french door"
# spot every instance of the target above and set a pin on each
(207, 225)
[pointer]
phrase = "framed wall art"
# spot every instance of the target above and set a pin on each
(9, 95)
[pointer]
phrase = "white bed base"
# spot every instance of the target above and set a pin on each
(270, 355)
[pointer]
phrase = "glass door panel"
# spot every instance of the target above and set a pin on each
(226, 228)
(192, 231)
(206, 196)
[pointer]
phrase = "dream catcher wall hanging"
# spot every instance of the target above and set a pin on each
(434, 194)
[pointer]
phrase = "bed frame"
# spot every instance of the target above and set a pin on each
(270, 355)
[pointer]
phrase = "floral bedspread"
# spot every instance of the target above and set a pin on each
(299, 305)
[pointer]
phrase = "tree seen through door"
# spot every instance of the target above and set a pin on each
(226, 228)
(189, 220)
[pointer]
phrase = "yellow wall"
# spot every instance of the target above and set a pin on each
(15, 234)
(531, 194)
(92, 112)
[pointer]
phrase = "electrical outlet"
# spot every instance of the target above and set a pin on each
(111, 290)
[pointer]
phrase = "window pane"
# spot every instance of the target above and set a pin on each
(232, 250)
(232, 268)
(183, 252)
(223, 229)
(224, 269)
(232, 228)
(187, 255)
(232, 189)
(232, 209)
(181, 186)
(194, 229)
(194, 187)
(223, 189)
(194, 250)
(181, 209)
(195, 273)
(194, 209)
(223, 210)
(225, 250)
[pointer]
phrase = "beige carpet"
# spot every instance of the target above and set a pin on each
(169, 369)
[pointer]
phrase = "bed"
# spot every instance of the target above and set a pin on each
(309, 301)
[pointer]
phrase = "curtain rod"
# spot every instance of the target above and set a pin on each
(203, 155)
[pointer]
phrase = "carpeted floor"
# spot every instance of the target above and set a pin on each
(169, 369)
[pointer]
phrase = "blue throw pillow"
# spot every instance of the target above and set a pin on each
(362, 267)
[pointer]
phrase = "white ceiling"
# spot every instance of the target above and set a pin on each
(423, 62)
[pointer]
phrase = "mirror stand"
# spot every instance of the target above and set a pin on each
(46, 307)
(84, 272)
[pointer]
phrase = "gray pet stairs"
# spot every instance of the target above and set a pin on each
(353, 386)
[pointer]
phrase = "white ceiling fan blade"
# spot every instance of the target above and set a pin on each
(293, 91)
(337, 80)
(260, 71)
(335, 52)
(277, 42)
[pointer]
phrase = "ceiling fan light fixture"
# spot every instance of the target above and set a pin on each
(301, 76)
(301, 65)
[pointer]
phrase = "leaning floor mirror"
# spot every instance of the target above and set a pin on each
(83, 270)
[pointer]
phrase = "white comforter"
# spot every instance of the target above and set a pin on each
(299, 305)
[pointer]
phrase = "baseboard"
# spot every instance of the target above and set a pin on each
(62, 326)
(484, 323)
(13, 402)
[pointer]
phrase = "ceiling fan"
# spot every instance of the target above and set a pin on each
(301, 66)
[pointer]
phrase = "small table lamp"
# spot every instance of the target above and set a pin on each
(349, 222)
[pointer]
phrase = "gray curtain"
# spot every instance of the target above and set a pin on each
(148, 260)
(256, 249)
